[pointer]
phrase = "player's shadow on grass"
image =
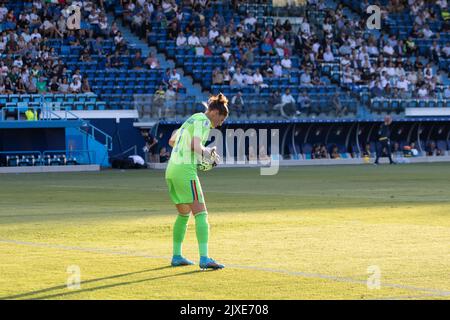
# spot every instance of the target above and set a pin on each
(28, 295)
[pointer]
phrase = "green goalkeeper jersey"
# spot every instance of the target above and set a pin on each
(183, 160)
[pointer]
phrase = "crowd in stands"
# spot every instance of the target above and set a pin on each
(388, 64)
(394, 66)
(29, 65)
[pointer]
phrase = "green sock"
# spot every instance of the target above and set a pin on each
(179, 231)
(202, 231)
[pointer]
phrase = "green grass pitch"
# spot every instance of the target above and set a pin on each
(306, 233)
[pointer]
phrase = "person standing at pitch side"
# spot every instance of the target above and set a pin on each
(384, 140)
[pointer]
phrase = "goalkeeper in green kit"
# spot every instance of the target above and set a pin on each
(189, 154)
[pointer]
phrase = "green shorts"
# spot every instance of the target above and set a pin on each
(185, 191)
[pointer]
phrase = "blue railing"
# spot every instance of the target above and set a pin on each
(48, 157)
(44, 113)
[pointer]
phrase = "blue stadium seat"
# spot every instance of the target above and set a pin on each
(25, 98)
(48, 97)
(412, 104)
(59, 97)
(376, 105)
(67, 105)
(99, 105)
(79, 106)
(14, 98)
(3, 99)
(70, 98)
(422, 103)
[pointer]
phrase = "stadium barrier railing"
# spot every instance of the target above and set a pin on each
(47, 158)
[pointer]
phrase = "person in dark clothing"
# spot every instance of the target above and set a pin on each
(151, 145)
(384, 140)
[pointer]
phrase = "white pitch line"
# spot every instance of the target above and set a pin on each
(434, 292)
(431, 295)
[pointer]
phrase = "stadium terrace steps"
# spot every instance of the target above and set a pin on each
(134, 41)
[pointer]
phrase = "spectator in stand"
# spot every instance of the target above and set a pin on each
(347, 76)
(315, 152)
(164, 155)
(97, 47)
(2, 86)
(288, 105)
(275, 100)
(193, 40)
(280, 45)
(377, 89)
(136, 62)
(181, 40)
(170, 98)
(54, 86)
(426, 32)
(328, 55)
(319, 152)
(248, 78)
(173, 31)
(423, 92)
(75, 86)
(217, 77)
(224, 38)
(41, 85)
(446, 50)
(238, 79)
(119, 41)
(85, 55)
(166, 77)
(447, 92)
(267, 69)
(213, 34)
(339, 109)
(304, 102)
(403, 86)
(31, 85)
(335, 152)
(278, 70)
(77, 74)
(410, 46)
(412, 77)
(114, 61)
(152, 61)
(203, 39)
(103, 26)
(435, 52)
(175, 80)
(305, 78)
(20, 86)
(85, 86)
(158, 99)
(286, 62)
(237, 104)
(316, 80)
(226, 77)
(259, 80)
(323, 151)
(266, 47)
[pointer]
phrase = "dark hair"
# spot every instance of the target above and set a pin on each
(218, 102)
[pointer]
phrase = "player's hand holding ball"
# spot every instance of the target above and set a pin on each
(209, 160)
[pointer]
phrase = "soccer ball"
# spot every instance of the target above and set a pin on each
(208, 163)
(205, 165)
